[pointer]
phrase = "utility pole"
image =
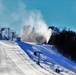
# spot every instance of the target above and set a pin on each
(13, 35)
(8, 33)
(2, 29)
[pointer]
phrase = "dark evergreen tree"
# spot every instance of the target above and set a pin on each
(65, 41)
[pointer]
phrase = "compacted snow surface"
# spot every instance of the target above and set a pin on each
(17, 58)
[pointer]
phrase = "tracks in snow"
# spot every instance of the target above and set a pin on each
(20, 63)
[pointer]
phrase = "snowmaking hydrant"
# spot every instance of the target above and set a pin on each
(37, 53)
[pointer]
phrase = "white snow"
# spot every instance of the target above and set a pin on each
(14, 61)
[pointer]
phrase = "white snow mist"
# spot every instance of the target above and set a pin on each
(35, 29)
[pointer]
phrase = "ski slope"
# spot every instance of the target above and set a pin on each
(17, 58)
(14, 61)
(50, 59)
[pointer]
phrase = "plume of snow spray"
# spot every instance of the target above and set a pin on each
(35, 29)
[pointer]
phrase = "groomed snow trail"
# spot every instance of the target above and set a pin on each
(14, 61)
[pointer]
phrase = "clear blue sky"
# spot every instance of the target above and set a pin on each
(60, 13)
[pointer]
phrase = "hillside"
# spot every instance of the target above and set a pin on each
(17, 61)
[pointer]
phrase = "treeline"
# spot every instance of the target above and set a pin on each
(65, 41)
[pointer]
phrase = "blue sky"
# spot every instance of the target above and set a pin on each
(59, 13)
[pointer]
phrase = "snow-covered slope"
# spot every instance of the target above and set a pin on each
(14, 61)
(50, 59)
(17, 61)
